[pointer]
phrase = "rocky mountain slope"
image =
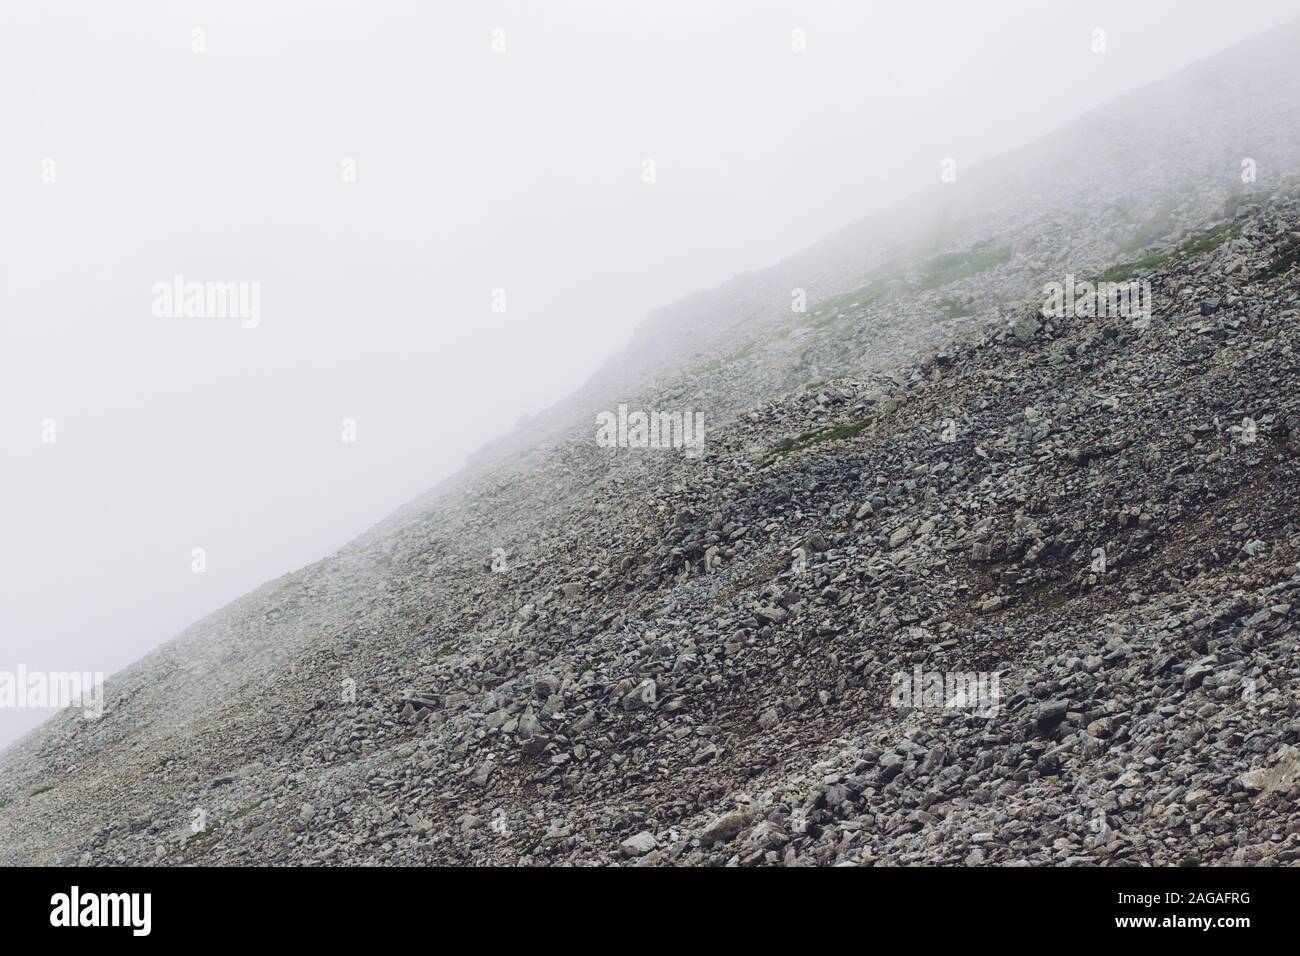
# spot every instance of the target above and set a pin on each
(685, 660)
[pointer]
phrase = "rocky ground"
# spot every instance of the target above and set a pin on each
(678, 660)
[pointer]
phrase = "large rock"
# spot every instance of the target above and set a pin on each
(725, 827)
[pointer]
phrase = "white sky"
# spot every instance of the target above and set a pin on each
(475, 171)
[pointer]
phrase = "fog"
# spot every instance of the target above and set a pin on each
(445, 218)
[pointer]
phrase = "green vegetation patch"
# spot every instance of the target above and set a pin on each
(954, 266)
(239, 814)
(531, 842)
(1126, 270)
(1160, 222)
(818, 436)
(1283, 263)
(206, 833)
(935, 272)
(952, 309)
(837, 307)
(1209, 239)
(1194, 245)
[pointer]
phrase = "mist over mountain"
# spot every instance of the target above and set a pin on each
(960, 570)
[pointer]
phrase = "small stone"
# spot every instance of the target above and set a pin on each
(1051, 713)
(643, 695)
(891, 764)
(638, 845)
(1025, 327)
